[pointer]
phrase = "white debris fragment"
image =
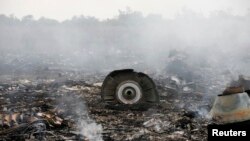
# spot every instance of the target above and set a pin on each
(24, 81)
(137, 134)
(156, 125)
(99, 84)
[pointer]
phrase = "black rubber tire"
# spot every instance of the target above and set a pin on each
(114, 79)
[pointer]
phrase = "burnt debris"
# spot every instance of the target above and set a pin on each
(62, 109)
(232, 105)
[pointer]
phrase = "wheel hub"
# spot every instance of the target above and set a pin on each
(129, 92)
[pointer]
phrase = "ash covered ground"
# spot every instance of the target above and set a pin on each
(67, 105)
(49, 101)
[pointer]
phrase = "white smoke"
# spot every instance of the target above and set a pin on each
(90, 129)
(73, 103)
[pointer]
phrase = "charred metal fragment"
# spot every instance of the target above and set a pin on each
(233, 105)
(128, 88)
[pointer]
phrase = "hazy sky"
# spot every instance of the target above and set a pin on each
(103, 9)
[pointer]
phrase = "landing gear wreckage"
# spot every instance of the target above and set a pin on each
(129, 89)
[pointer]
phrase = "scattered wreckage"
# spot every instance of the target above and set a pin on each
(62, 109)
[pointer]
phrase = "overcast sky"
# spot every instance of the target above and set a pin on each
(103, 9)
